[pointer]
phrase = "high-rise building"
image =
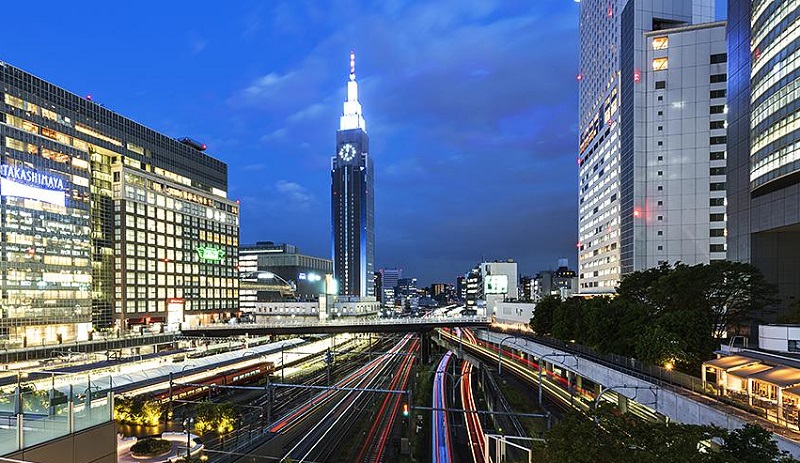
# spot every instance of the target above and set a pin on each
(353, 199)
(389, 280)
(764, 151)
(651, 116)
(106, 222)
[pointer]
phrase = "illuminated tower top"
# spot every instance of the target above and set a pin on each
(351, 116)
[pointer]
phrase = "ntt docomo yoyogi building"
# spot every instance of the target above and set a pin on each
(106, 224)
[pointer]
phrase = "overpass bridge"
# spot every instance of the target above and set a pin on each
(671, 395)
(339, 325)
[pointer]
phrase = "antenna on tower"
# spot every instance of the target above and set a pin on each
(352, 65)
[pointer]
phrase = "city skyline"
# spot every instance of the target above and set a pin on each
(446, 91)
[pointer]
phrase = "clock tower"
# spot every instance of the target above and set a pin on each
(353, 199)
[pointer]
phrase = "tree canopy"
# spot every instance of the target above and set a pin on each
(619, 438)
(671, 313)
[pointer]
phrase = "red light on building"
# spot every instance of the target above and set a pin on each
(89, 97)
(204, 146)
(758, 53)
(579, 77)
(579, 245)
(637, 213)
(580, 161)
(637, 76)
(610, 11)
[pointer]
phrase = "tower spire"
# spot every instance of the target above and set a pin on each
(352, 65)
(351, 116)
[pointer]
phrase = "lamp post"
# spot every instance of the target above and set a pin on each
(541, 362)
(188, 424)
(500, 353)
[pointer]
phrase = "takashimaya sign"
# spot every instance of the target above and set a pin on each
(22, 182)
(209, 253)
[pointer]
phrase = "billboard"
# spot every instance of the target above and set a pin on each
(495, 284)
(22, 182)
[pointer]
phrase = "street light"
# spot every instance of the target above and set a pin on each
(187, 423)
(500, 352)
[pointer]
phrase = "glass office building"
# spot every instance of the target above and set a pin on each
(105, 223)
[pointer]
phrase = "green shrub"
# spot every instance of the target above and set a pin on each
(151, 447)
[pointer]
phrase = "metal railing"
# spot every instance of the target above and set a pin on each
(443, 321)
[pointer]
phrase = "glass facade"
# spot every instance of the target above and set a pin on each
(775, 95)
(89, 203)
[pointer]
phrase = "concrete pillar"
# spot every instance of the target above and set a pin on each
(622, 403)
(750, 391)
(779, 397)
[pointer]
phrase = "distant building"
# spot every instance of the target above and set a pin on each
(526, 288)
(377, 283)
(473, 288)
(268, 269)
(461, 288)
(560, 282)
(500, 279)
(440, 292)
(389, 279)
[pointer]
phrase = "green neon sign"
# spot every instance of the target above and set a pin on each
(209, 253)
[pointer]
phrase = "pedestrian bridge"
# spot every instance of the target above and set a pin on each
(339, 325)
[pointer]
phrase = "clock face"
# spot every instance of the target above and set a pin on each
(347, 152)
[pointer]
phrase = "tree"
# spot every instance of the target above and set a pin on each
(214, 417)
(621, 438)
(753, 444)
(542, 321)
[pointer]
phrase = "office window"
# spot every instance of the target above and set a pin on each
(717, 78)
(717, 109)
(661, 84)
(716, 171)
(661, 233)
(717, 186)
(716, 202)
(660, 217)
(716, 217)
(716, 232)
(717, 248)
(660, 43)
(718, 140)
(661, 248)
(717, 93)
(716, 125)
(660, 64)
(719, 58)
(717, 156)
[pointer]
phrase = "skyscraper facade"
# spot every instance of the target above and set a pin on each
(764, 139)
(632, 144)
(105, 222)
(353, 199)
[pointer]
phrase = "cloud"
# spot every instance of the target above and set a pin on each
(294, 193)
(277, 134)
(310, 112)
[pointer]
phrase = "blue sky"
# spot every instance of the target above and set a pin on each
(471, 108)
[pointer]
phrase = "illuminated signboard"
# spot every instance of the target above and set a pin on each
(496, 284)
(22, 182)
(209, 253)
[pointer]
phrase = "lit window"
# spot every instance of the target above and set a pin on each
(660, 64)
(660, 43)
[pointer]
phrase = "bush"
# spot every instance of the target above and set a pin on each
(151, 447)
